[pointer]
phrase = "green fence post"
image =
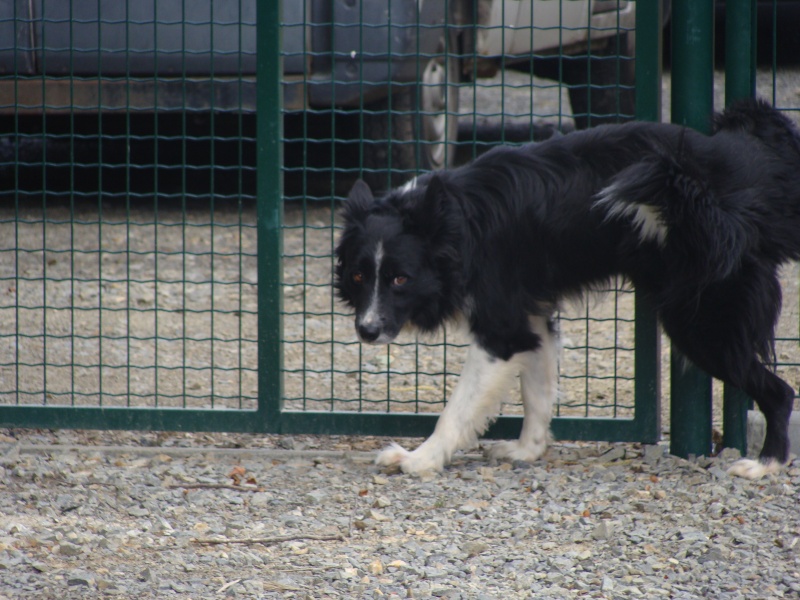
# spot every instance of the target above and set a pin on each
(692, 106)
(269, 132)
(734, 418)
(740, 50)
(740, 82)
(649, 47)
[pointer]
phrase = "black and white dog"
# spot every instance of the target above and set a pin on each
(699, 224)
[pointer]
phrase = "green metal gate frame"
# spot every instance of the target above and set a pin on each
(264, 417)
(270, 415)
(644, 427)
(693, 106)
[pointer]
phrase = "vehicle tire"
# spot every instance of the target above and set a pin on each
(415, 128)
(602, 85)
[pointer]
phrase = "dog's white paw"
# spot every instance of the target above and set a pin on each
(414, 463)
(392, 456)
(517, 450)
(753, 469)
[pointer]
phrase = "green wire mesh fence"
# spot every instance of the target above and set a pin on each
(127, 224)
(413, 95)
(142, 282)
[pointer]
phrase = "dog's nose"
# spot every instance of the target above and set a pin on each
(369, 332)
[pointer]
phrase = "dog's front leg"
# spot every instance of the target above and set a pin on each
(539, 383)
(475, 401)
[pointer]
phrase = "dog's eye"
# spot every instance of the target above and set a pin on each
(358, 278)
(400, 280)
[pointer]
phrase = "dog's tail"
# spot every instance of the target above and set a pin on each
(668, 201)
(757, 118)
(780, 137)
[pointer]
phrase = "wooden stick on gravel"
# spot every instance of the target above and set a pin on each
(216, 486)
(271, 540)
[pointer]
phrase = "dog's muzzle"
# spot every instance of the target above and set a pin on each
(374, 332)
(369, 332)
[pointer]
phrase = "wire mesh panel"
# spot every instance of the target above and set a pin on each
(383, 91)
(144, 286)
(131, 245)
(127, 214)
(777, 80)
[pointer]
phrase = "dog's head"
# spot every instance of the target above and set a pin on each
(392, 260)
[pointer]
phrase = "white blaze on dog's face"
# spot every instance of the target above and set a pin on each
(383, 270)
(371, 320)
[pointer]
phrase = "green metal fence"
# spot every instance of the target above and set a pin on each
(693, 99)
(128, 252)
(144, 283)
(488, 88)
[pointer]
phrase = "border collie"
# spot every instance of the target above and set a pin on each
(698, 224)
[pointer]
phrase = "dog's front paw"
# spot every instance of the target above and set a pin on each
(516, 450)
(393, 456)
(753, 469)
(414, 463)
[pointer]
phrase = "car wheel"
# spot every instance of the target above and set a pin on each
(415, 128)
(602, 85)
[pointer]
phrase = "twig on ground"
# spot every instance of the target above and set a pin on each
(217, 486)
(271, 540)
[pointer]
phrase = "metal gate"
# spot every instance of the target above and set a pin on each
(147, 285)
(379, 128)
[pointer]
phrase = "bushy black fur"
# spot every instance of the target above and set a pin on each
(521, 228)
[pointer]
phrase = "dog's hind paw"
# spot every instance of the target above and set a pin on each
(517, 450)
(753, 469)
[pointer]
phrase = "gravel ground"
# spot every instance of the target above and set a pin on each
(186, 519)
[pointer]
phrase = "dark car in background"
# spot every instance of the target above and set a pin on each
(390, 69)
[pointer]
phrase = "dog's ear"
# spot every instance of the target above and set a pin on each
(360, 191)
(435, 193)
(428, 214)
(354, 211)
(358, 201)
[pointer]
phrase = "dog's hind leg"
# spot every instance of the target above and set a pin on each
(539, 386)
(775, 398)
(484, 381)
(728, 333)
